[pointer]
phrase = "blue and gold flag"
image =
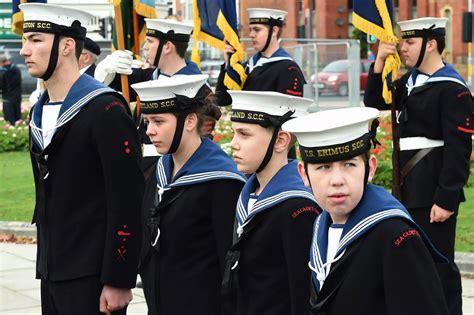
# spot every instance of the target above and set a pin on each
(235, 75)
(17, 15)
(213, 23)
(374, 17)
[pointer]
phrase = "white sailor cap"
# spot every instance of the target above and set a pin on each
(334, 135)
(423, 27)
(168, 96)
(265, 16)
(50, 18)
(174, 30)
(266, 108)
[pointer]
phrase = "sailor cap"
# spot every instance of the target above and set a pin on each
(162, 96)
(50, 18)
(258, 107)
(423, 27)
(264, 15)
(333, 135)
(174, 30)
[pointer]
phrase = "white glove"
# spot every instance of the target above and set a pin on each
(119, 61)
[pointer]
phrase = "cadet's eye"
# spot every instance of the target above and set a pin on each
(322, 167)
(349, 164)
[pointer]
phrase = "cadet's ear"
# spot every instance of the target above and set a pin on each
(372, 167)
(191, 122)
(68, 46)
(303, 174)
(282, 142)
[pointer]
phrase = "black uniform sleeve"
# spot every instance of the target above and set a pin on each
(224, 194)
(119, 151)
(457, 128)
(297, 230)
(291, 80)
(223, 97)
(410, 279)
(373, 91)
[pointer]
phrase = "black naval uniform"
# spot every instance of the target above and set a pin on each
(182, 271)
(386, 267)
(267, 266)
(440, 109)
(278, 73)
(89, 189)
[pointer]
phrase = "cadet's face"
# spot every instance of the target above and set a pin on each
(339, 186)
(258, 33)
(36, 50)
(249, 145)
(410, 50)
(150, 47)
(161, 129)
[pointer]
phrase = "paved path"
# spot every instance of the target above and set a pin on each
(19, 291)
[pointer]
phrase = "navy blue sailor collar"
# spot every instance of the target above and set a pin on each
(376, 206)
(446, 73)
(284, 185)
(208, 162)
(81, 93)
(189, 69)
(258, 60)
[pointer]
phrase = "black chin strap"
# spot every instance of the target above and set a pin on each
(162, 43)
(423, 45)
(271, 24)
(178, 133)
(187, 106)
(422, 52)
(53, 59)
(276, 122)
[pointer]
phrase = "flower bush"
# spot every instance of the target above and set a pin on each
(13, 138)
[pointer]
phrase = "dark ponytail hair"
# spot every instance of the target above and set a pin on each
(208, 115)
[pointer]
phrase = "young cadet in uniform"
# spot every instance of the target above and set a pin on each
(435, 129)
(89, 56)
(189, 206)
(271, 68)
(86, 166)
(367, 254)
(165, 47)
(266, 271)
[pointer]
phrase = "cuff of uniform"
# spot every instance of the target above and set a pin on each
(447, 199)
(120, 280)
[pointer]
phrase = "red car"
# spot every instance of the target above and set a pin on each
(333, 78)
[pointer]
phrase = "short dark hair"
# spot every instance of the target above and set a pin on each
(181, 48)
(440, 43)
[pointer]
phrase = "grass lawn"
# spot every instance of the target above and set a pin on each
(17, 198)
(16, 187)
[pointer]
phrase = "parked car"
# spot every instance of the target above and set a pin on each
(211, 68)
(333, 77)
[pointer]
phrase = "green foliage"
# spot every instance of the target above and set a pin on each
(13, 138)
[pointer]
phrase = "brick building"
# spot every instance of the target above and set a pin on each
(331, 19)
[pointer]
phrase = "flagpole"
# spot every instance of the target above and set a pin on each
(121, 46)
(136, 50)
(397, 177)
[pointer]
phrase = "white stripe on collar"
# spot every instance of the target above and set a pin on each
(268, 202)
(66, 116)
(262, 60)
